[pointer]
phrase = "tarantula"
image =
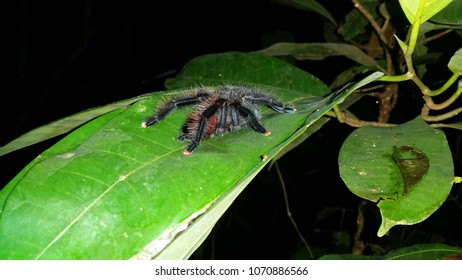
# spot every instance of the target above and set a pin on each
(218, 111)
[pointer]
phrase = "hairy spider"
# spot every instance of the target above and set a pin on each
(218, 111)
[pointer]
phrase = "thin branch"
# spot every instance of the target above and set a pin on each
(431, 105)
(350, 119)
(419, 83)
(378, 30)
(441, 117)
(372, 21)
(446, 85)
(438, 35)
(289, 214)
(395, 78)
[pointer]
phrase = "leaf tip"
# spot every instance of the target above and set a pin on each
(386, 225)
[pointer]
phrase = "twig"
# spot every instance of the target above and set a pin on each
(352, 120)
(289, 214)
(441, 117)
(438, 35)
(371, 19)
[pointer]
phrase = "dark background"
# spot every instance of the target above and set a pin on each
(67, 56)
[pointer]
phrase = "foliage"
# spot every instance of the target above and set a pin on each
(388, 164)
(120, 191)
(110, 181)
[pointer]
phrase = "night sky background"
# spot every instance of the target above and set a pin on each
(67, 56)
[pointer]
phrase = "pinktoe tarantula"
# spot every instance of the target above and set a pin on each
(218, 111)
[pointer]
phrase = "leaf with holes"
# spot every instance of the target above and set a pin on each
(407, 169)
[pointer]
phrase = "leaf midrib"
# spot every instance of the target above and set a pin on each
(97, 199)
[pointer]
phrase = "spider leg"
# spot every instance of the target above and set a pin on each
(222, 121)
(252, 118)
(273, 103)
(234, 116)
(203, 125)
(170, 106)
(197, 139)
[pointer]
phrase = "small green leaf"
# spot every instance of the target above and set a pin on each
(455, 63)
(402, 45)
(430, 8)
(407, 169)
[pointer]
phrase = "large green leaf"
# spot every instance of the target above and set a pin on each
(181, 247)
(407, 169)
(113, 190)
(246, 68)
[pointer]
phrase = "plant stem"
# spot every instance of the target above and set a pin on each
(387, 100)
(397, 78)
(350, 119)
(429, 101)
(446, 85)
(371, 19)
(411, 74)
(441, 117)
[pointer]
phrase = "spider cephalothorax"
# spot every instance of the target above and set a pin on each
(218, 111)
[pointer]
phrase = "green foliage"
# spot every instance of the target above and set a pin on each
(116, 191)
(407, 174)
